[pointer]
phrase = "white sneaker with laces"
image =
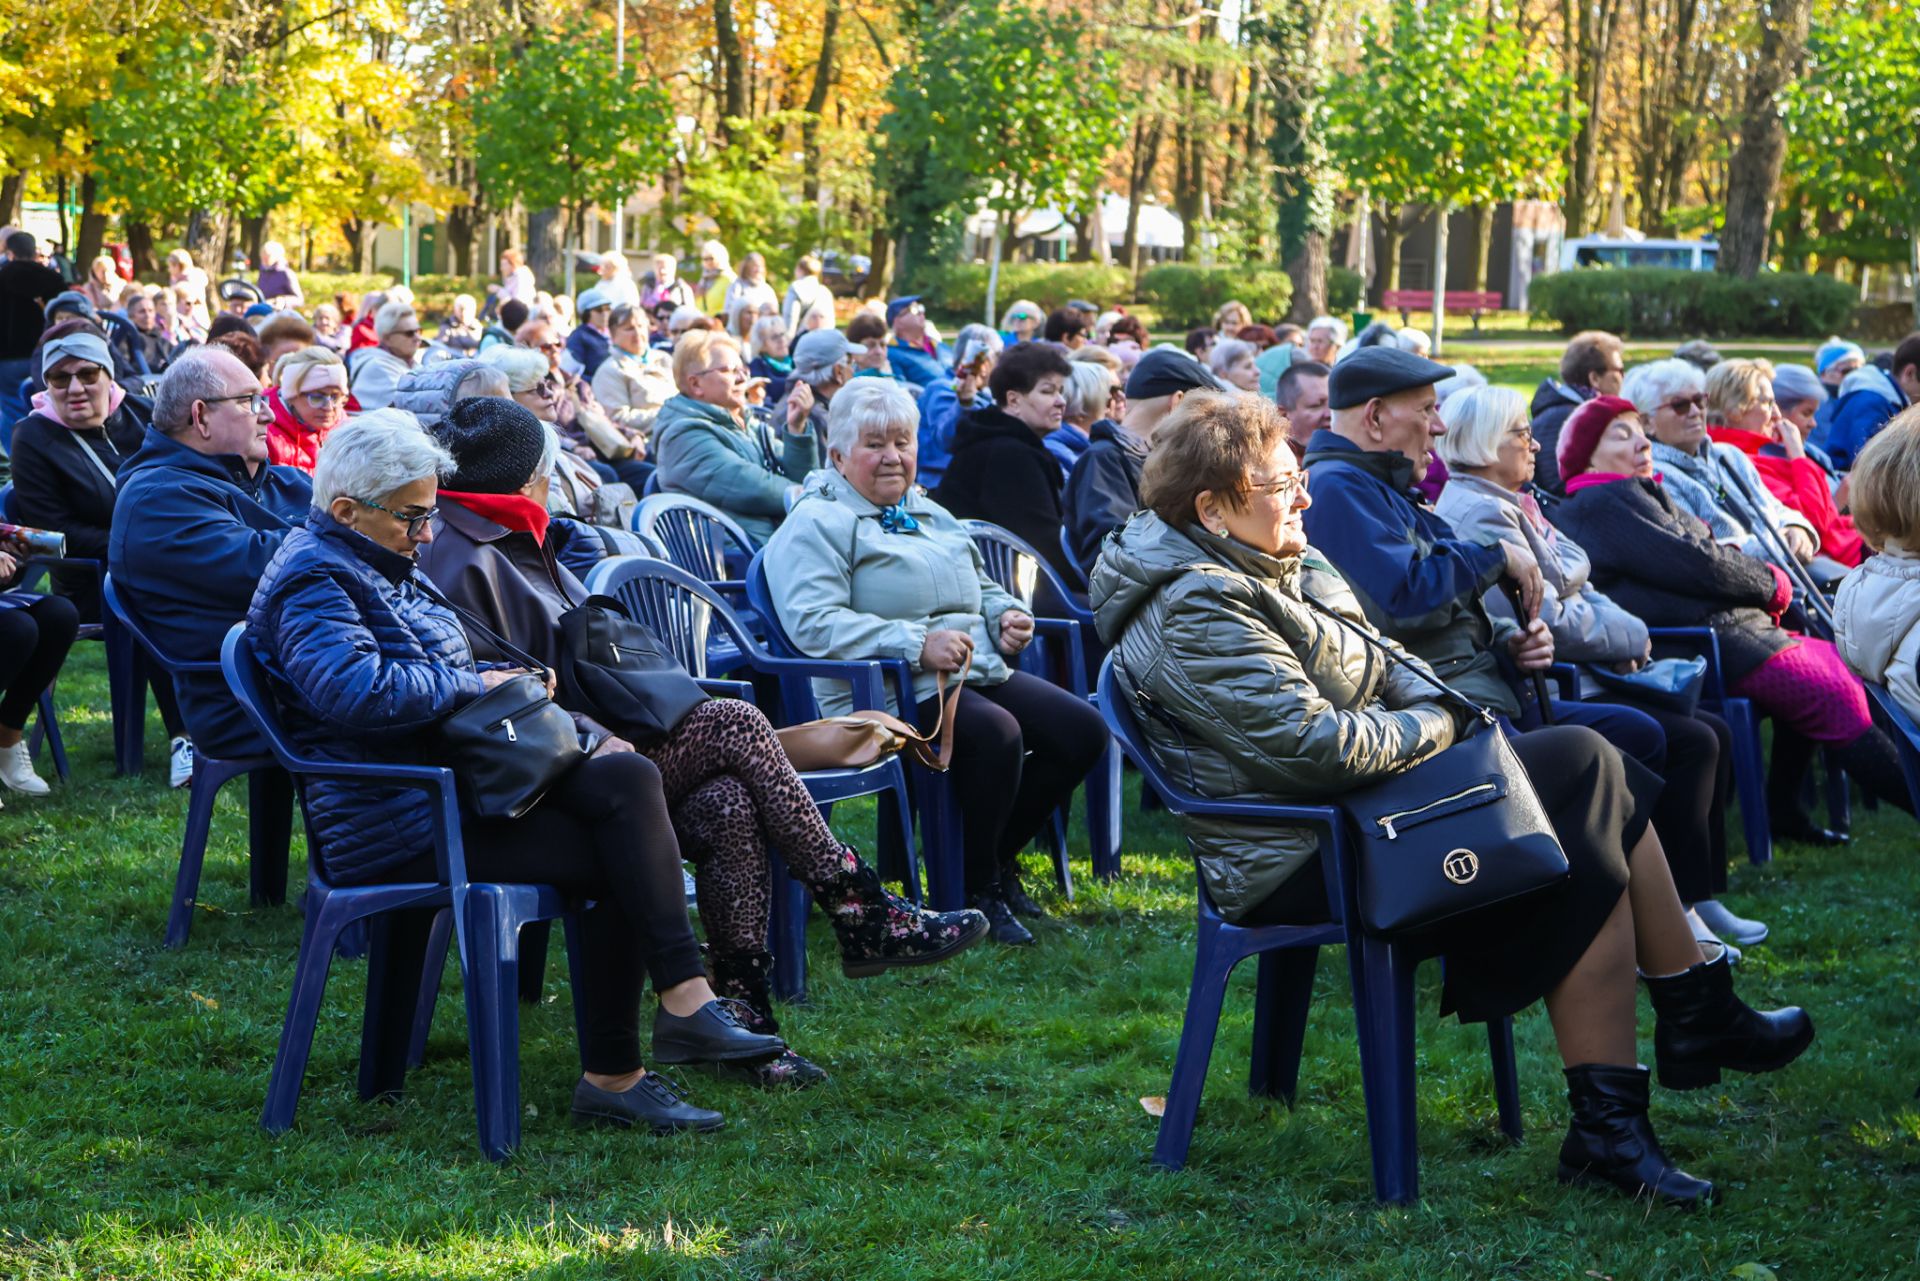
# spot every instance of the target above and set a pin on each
(1738, 929)
(180, 763)
(16, 771)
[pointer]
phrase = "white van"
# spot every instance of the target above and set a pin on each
(1613, 251)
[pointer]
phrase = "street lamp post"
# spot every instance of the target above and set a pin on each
(620, 67)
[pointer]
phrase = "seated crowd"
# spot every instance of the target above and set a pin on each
(402, 522)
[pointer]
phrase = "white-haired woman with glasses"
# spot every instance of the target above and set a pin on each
(868, 566)
(364, 664)
(376, 371)
(1021, 322)
(705, 444)
(308, 399)
(1489, 450)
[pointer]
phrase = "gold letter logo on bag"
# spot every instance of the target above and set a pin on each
(1461, 866)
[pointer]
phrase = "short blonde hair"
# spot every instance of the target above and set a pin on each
(1095, 354)
(1232, 312)
(290, 372)
(1736, 385)
(1885, 484)
(1209, 442)
(1476, 419)
(695, 352)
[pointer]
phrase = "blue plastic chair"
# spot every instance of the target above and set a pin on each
(1015, 565)
(682, 610)
(126, 679)
(1079, 577)
(486, 918)
(931, 792)
(269, 800)
(1381, 972)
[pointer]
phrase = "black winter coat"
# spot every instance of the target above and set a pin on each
(1001, 472)
(1104, 490)
(66, 481)
(1657, 561)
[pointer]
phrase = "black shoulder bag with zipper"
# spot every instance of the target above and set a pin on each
(1461, 831)
(511, 744)
(623, 675)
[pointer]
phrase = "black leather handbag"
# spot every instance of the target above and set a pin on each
(511, 744)
(623, 675)
(1461, 831)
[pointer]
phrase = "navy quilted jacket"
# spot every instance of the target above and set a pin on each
(363, 666)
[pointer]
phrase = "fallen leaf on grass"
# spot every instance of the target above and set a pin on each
(1754, 1272)
(1154, 1104)
(207, 1001)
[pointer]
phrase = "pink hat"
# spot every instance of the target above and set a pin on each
(1582, 432)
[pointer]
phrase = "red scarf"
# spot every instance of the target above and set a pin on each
(514, 511)
(1586, 479)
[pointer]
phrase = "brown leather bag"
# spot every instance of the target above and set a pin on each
(860, 739)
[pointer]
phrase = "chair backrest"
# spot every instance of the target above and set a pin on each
(1116, 708)
(118, 607)
(1906, 736)
(697, 536)
(1013, 563)
(760, 597)
(678, 608)
(1080, 578)
(248, 681)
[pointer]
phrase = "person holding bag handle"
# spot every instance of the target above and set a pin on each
(727, 785)
(366, 665)
(1268, 681)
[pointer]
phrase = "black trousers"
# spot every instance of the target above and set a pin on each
(603, 834)
(1019, 749)
(34, 640)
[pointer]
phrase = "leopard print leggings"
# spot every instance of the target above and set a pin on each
(732, 795)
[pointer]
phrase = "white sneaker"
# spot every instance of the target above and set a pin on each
(16, 771)
(1728, 926)
(180, 764)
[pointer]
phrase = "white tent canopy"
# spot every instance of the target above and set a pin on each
(1160, 227)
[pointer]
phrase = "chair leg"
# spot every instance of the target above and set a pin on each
(1750, 780)
(787, 934)
(269, 834)
(902, 811)
(1839, 801)
(127, 696)
(399, 951)
(1197, 1030)
(489, 959)
(193, 850)
(1383, 1012)
(1103, 813)
(1280, 1010)
(303, 1012)
(1057, 843)
(533, 960)
(49, 728)
(940, 835)
(1506, 1076)
(431, 968)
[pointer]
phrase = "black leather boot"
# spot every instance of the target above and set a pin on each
(1703, 1027)
(1611, 1141)
(1015, 895)
(745, 977)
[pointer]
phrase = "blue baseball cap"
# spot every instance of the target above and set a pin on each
(899, 305)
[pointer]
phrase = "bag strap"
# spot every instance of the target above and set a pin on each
(945, 717)
(112, 481)
(1445, 690)
(500, 642)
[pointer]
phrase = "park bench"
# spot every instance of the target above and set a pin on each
(1471, 301)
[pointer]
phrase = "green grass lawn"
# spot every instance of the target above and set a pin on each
(984, 1118)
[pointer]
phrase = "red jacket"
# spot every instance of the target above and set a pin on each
(290, 442)
(1801, 485)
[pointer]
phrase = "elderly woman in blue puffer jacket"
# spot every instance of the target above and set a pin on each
(364, 664)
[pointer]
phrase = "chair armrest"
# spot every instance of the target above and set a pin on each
(1706, 643)
(864, 675)
(1076, 657)
(436, 781)
(1567, 677)
(728, 689)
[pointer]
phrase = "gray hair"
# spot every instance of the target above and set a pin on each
(482, 380)
(864, 403)
(1088, 387)
(1650, 385)
(1795, 383)
(972, 340)
(370, 456)
(388, 318)
(1226, 351)
(1414, 340)
(1476, 420)
(1464, 378)
(1335, 327)
(682, 316)
(523, 367)
(199, 373)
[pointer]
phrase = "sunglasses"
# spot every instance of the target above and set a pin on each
(86, 377)
(416, 525)
(1685, 404)
(406, 333)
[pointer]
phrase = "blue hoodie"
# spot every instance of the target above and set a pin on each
(1868, 400)
(191, 535)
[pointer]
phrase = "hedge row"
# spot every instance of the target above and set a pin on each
(960, 289)
(1646, 302)
(432, 295)
(1187, 296)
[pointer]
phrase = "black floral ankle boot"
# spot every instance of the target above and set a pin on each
(743, 977)
(879, 930)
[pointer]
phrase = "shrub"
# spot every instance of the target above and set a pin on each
(960, 289)
(432, 295)
(1187, 296)
(1646, 302)
(1344, 286)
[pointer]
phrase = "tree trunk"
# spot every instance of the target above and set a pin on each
(253, 231)
(140, 246)
(1753, 174)
(880, 273)
(544, 231)
(1146, 157)
(1308, 271)
(1396, 240)
(817, 102)
(194, 238)
(60, 212)
(1482, 246)
(733, 68)
(11, 187)
(1587, 32)
(461, 220)
(93, 226)
(1913, 269)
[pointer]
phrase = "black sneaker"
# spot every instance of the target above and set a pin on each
(1002, 927)
(653, 1102)
(714, 1033)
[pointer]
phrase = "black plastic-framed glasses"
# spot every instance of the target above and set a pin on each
(416, 525)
